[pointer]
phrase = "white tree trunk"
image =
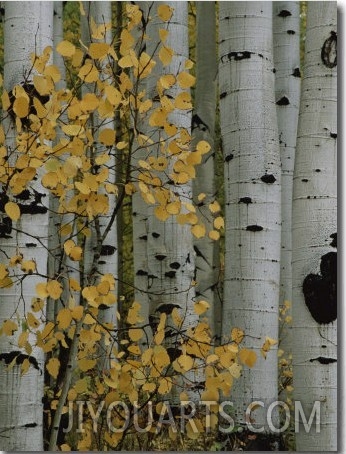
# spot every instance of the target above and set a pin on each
(314, 258)
(252, 194)
(101, 248)
(286, 34)
(28, 28)
(203, 128)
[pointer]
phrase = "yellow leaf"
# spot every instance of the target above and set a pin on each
(185, 362)
(54, 72)
(133, 316)
(198, 230)
(237, 335)
(113, 95)
(76, 253)
(41, 290)
(82, 188)
(107, 137)
(21, 107)
(53, 367)
(214, 207)
(167, 81)
(135, 334)
(201, 306)
(128, 60)
(89, 103)
(185, 80)
(9, 327)
(12, 211)
(42, 85)
(161, 213)
(183, 101)
(28, 266)
(98, 50)
(77, 312)
(89, 73)
(25, 366)
(23, 338)
(203, 147)
(247, 357)
(165, 55)
(33, 322)
(214, 235)
(64, 318)
(235, 370)
(189, 64)
(3, 271)
(219, 223)
(66, 49)
(173, 207)
(177, 319)
(86, 364)
(54, 289)
(159, 336)
(163, 33)
(72, 130)
(165, 12)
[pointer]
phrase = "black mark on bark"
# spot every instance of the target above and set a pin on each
(320, 290)
(329, 51)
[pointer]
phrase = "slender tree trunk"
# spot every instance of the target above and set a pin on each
(28, 28)
(314, 258)
(203, 128)
(101, 247)
(252, 195)
(286, 28)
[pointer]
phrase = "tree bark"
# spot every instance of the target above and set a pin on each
(28, 28)
(252, 194)
(314, 259)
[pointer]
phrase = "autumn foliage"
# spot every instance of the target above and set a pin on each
(66, 147)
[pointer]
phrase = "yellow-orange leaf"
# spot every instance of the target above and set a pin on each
(214, 207)
(21, 107)
(86, 364)
(201, 306)
(185, 80)
(66, 49)
(33, 322)
(198, 230)
(135, 334)
(9, 327)
(54, 289)
(183, 101)
(237, 335)
(203, 147)
(165, 55)
(12, 211)
(214, 235)
(165, 12)
(219, 223)
(98, 50)
(77, 312)
(64, 318)
(107, 137)
(53, 366)
(247, 357)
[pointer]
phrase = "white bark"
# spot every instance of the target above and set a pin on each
(314, 221)
(252, 194)
(28, 28)
(286, 33)
(287, 94)
(203, 128)
(170, 278)
(101, 248)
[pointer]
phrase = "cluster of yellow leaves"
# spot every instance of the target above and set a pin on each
(77, 169)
